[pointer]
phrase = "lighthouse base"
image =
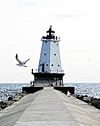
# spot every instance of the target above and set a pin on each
(48, 79)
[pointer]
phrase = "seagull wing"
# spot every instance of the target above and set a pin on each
(18, 59)
(27, 60)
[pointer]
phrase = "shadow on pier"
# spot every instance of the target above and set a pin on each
(62, 89)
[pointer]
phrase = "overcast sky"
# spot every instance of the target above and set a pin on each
(24, 22)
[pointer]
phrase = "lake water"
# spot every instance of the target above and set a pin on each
(10, 89)
(90, 89)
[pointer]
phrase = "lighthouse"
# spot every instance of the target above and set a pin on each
(49, 68)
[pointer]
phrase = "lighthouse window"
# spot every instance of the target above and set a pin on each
(44, 53)
(58, 65)
(46, 64)
(51, 64)
(45, 41)
(54, 54)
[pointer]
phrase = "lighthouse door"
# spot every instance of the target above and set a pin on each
(43, 67)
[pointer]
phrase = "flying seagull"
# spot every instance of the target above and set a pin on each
(21, 63)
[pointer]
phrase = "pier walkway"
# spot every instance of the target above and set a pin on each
(50, 107)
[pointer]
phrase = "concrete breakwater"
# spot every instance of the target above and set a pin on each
(90, 100)
(27, 90)
(49, 107)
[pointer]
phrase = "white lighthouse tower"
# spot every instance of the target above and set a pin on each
(49, 69)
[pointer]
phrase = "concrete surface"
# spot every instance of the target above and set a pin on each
(11, 114)
(50, 107)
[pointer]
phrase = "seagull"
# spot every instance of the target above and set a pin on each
(68, 93)
(21, 63)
